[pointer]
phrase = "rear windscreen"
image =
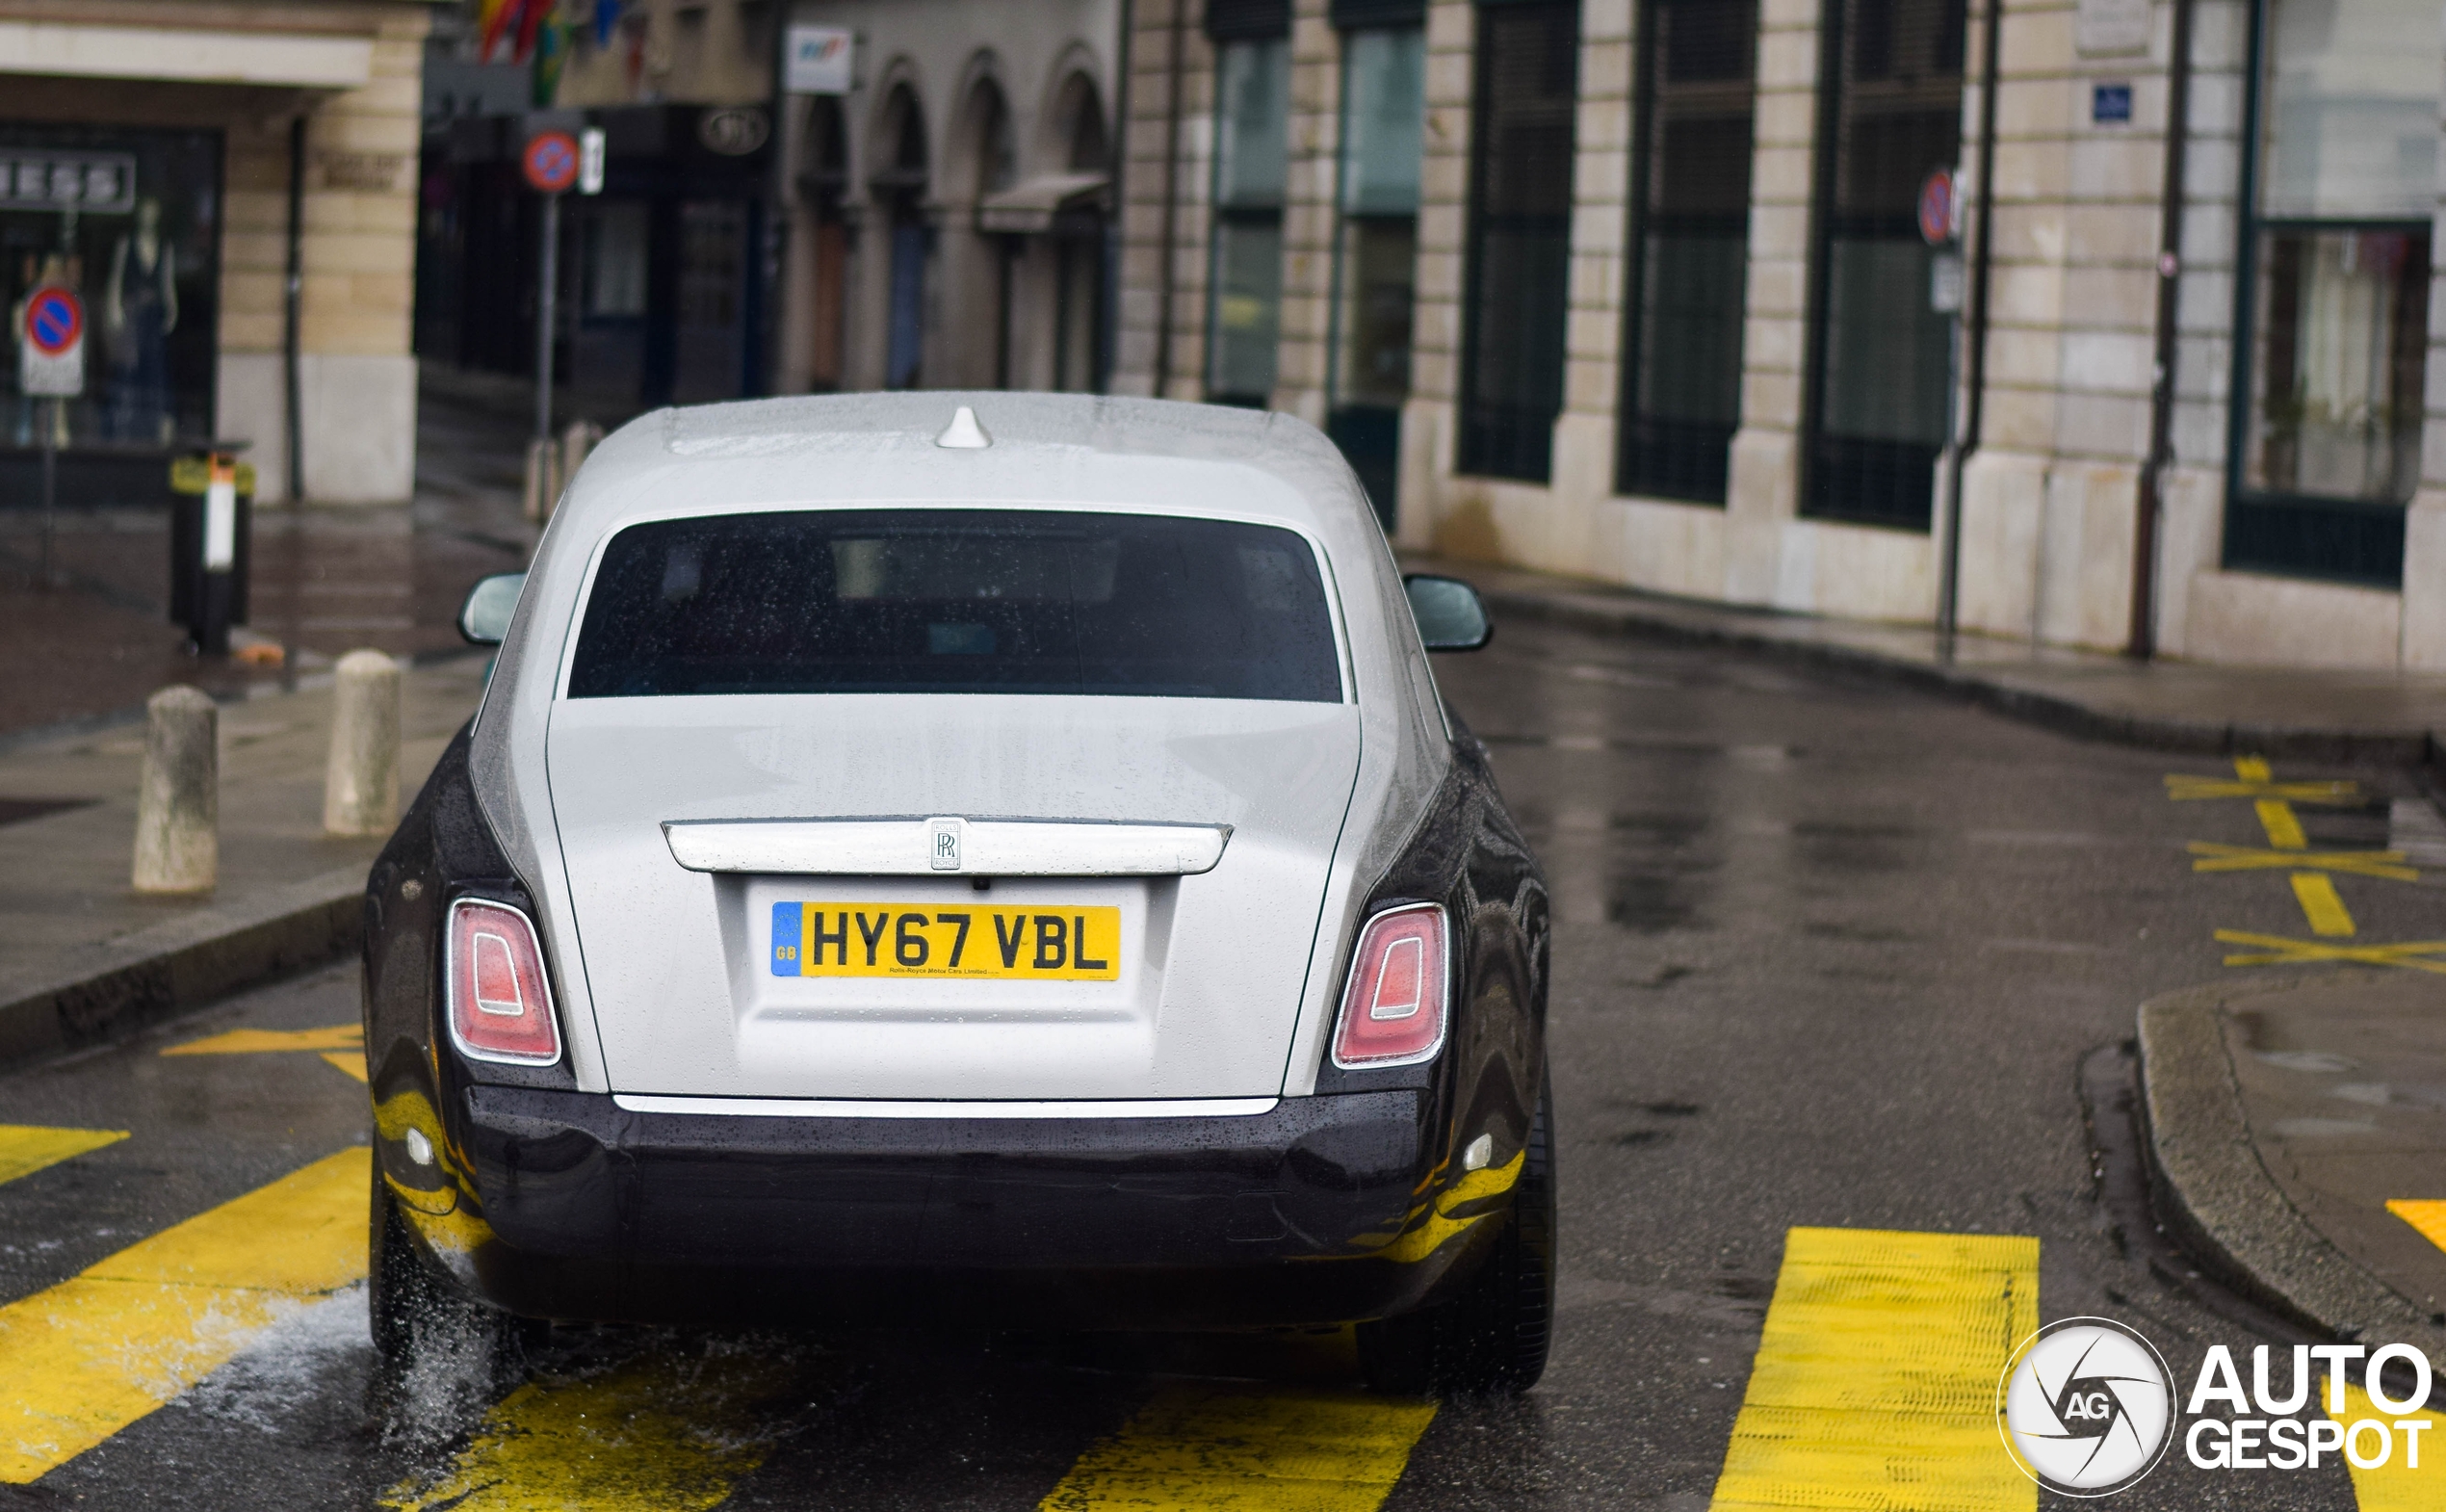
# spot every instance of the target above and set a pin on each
(958, 601)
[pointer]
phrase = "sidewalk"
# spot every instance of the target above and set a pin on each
(2297, 1135)
(2348, 717)
(89, 650)
(84, 958)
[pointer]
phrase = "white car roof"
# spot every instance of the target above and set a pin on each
(1065, 449)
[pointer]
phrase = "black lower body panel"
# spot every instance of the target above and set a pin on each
(591, 1211)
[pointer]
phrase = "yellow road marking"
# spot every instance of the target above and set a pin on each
(2428, 1217)
(2320, 903)
(2279, 951)
(351, 1061)
(1219, 1449)
(26, 1148)
(664, 1434)
(2184, 789)
(1876, 1377)
(2282, 825)
(98, 1351)
(2387, 863)
(2394, 1486)
(262, 1041)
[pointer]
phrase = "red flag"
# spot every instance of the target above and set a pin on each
(492, 21)
(529, 21)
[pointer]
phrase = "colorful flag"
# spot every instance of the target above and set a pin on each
(607, 19)
(552, 55)
(531, 18)
(491, 20)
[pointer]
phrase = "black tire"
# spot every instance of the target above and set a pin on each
(416, 1311)
(1493, 1337)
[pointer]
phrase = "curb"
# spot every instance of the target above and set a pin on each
(1701, 625)
(2217, 1198)
(111, 991)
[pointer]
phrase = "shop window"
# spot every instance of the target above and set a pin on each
(1890, 113)
(1251, 127)
(2336, 279)
(1516, 293)
(131, 221)
(1689, 248)
(1382, 123)
(615, 259)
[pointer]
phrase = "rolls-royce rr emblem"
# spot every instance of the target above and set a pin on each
(945, 841)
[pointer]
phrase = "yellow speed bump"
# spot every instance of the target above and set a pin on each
(1875, 1382)
(1216, 1448)
(86, 1358)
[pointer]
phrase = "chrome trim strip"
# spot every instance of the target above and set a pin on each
(875, 1107)
(906, 848)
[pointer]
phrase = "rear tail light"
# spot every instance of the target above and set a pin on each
(500, 1006)
(1392, 1010)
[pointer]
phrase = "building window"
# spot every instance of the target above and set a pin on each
(1516, 293)
(130, 221)
(1880, 359)
(1383, 123)
(1251, 129)
(1689, 245)
(2336, 279)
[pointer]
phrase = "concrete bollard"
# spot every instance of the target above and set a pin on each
(543, 479)
(178, 805)
(361, 781)
(577, 444)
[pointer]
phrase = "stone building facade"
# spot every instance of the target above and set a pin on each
(179, 117)
(1669, 318)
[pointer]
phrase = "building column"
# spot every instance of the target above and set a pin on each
(1310, 220)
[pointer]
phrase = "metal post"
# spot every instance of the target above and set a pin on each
(544, 316)
(50, 482)
(292, 315)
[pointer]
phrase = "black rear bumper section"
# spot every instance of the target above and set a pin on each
(598, 1212)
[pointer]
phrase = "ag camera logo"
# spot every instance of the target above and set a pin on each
(2086, 1407)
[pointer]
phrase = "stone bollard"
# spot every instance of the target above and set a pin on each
(543, 479)
(577, 444)
(361, 781)
(178, 805)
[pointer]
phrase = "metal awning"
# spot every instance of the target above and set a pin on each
(1033, 206)
(196, 55)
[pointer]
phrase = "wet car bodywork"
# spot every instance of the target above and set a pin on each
(1339, 1194)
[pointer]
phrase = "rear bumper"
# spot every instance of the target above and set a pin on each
(584, 1208)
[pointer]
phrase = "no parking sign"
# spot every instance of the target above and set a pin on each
(51, 345)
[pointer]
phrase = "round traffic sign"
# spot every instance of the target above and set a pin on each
(551, 162)
(54, 321)
(1936, 208)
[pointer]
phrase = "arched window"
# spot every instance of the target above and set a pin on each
(898, 185)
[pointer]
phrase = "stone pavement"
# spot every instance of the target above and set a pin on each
(2332, 714)
(84, 958)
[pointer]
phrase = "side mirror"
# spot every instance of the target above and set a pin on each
(484, 618)
(1449, 615)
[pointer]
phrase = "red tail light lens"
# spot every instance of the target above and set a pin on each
(1392, 1010)
(500, 1006)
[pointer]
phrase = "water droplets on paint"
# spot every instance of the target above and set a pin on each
(289, 1367)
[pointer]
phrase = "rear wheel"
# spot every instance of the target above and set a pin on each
(1493, 1337)
(426, 1329)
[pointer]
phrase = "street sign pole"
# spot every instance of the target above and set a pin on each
(50, 482)
(51, 365)
(545, 315)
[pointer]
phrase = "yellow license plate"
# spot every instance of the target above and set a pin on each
(1037, 944)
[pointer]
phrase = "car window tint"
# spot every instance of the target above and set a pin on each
(951, 601)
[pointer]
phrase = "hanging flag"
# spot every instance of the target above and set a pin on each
(607, 21)
(532, 15)
(552, 55)
(492, 21)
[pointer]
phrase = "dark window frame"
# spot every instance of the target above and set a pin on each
(1682, 461)
(1518, 444)
(1836, 471)
(2279, 533)
(1252, 24)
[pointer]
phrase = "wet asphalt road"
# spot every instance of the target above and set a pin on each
(1827, 953)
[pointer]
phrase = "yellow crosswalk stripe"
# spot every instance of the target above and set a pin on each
(98, 1351)
(1217, 1448)
(1875, 1383)
(265, 1041)
(2395, 1486)
(27, 1148)
(664, 1434)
